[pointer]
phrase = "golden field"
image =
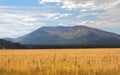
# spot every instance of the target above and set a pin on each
(60, 62)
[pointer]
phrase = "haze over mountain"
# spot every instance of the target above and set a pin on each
(75, 35)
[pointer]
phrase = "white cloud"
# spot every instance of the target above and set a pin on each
(17, 23)
(109, 18)
(83, 10)
(87, 14)
(99, 24)
(29, 19)
(91, 4)
(112, 14)
(55, 15)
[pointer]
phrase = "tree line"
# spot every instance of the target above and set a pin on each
(10, 45)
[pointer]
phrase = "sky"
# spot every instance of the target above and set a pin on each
(20, 17)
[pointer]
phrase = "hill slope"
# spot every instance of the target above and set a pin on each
(69, 36)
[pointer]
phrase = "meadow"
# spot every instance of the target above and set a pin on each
(104, 61)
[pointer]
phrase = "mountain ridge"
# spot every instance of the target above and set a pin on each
(63, 35)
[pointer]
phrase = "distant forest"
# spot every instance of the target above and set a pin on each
(9, 45)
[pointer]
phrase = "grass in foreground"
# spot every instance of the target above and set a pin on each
(60, 62)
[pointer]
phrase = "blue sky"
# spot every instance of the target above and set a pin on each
(20, 17)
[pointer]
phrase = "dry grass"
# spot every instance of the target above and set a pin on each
(60, 62)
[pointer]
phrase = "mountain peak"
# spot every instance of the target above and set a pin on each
(80, 26)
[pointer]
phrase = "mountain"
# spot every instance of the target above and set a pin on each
(76, 35)
(9, 45)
